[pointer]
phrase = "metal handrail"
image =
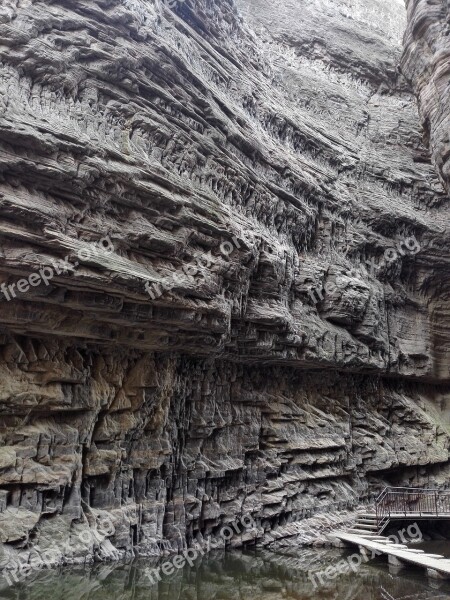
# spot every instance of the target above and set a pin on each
(406, 501)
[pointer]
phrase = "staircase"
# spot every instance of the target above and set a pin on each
(366, 525)
(402, 503)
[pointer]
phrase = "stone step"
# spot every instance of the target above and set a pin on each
(363, 532)
(368, 536)
(367, 519)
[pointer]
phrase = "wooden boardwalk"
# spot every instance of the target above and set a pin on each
(436, 566)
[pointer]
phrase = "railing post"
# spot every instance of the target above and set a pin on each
(408, 501)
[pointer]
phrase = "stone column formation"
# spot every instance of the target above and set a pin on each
(223, 266)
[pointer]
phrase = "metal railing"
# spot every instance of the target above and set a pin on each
(419, 502)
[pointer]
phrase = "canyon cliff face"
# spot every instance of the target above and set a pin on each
(223, 258)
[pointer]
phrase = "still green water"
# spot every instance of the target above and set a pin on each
(252, 575)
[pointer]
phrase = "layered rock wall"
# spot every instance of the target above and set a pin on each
(426, 63)
(237, 239)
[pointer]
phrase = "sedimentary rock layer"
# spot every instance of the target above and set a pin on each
(426, 63)
(222, 243)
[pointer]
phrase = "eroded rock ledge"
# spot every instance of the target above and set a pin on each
(162, 381)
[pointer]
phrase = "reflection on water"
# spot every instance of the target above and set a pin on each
(250, 575)
(435, 547)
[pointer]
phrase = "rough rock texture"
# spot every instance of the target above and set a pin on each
(265, 329)
(426, 63)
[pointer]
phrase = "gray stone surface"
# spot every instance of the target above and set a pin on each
(265, 328)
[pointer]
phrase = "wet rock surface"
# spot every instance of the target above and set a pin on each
(247, 312)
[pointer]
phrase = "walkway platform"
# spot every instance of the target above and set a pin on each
(437, 566)
(419, 515)
(412, 503)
